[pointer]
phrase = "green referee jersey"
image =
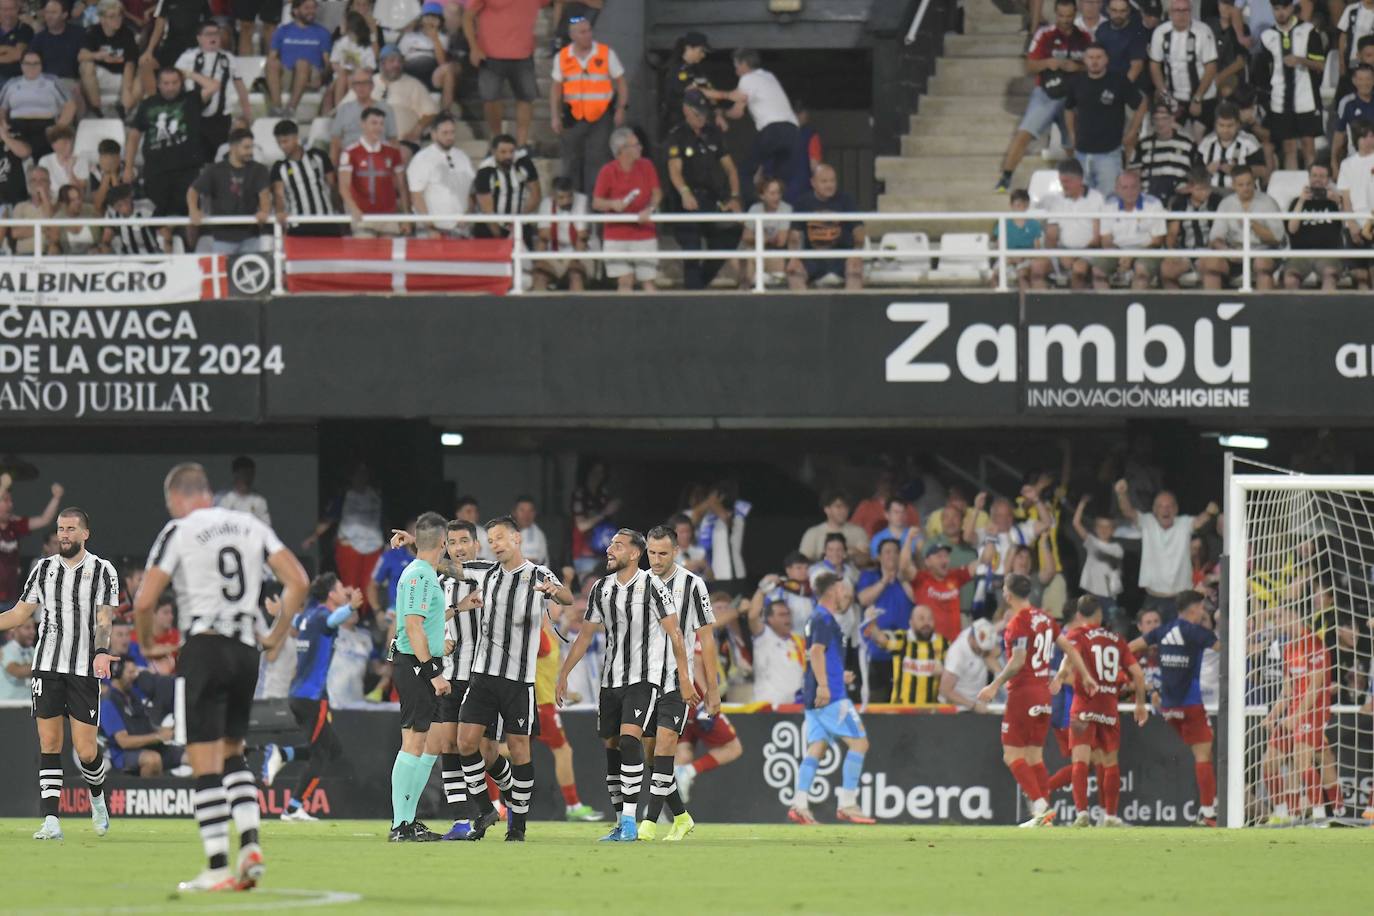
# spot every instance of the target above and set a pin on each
(419, 594)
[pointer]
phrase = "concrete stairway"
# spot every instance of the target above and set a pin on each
(952, 155)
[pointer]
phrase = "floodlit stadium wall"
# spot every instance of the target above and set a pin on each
(973, 358)
(920, 769)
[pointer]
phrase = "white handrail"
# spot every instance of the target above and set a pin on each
(915, 29)
(759, 254)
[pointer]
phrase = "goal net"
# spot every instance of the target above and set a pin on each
(1300, 557)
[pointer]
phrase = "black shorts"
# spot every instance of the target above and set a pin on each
(55, 695)
(495, 74)
(491, 699)
(633, 705)
(172, 756)
(1292, 126)
(167, 190)
(819, 267)
(311, 715)
(422, 68)
(1207, 119)
(419, 702)
(267, 11)
(452, 703)
(219, 678)
(171, 48)
(670, 712)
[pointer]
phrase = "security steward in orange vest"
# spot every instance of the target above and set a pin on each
(586, 102)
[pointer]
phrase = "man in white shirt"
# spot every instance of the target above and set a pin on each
(1166, 566)
(440, 178)
(760, 93)
(1084, 232)
(779, 654)
(241, 496)
(1183, 65)
(1357, 179)
(1140, 225)
(564, 237)
(967, 666)
(534, 546)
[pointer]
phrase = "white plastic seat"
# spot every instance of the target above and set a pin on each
(265, 148)
(251, 67)
(317, 137)
(90, 131)
(909, 261)
(964, 256)
(1286, 185)
(1043, 183)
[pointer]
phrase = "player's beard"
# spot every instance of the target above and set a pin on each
(71, 550)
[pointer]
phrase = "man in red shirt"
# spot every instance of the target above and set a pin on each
(500, 36)
(629, 184)
(11, 530)
(1297, 723)
(937, 587)
(372, 179)
(1030, 639)
(1056, 53)
(1093, 720)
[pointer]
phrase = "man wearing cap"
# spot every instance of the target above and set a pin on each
(685, 82)
(500, 37)
(414, 108)
(588, 82)
(300, 48)
(704, 180)
(967, 666)
(937, 586)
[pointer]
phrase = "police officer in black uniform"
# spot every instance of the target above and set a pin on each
(684, 76)
(705, 180)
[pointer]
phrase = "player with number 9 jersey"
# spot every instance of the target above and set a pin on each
(1094, 720)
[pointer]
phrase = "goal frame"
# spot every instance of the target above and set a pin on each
(1238, 487)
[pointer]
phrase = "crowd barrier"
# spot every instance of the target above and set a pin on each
(927, 769)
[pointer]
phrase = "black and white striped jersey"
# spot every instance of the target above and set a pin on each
(463, 629)
(216, 65)
(512, 612)
(215, 558)
(68, 598)
(632, 614)
(305, 184)
(692, 600)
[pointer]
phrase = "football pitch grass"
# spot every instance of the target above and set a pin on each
(347, 865)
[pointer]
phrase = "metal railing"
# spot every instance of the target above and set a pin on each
(759, 254)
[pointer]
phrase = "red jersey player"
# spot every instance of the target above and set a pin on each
(1094, 722)
(1030, 640)
(1297, 722)
(715, 733)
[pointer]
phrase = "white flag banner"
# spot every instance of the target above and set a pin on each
(113, 281)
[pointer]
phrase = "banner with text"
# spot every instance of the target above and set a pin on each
(114, 281)
(197, 361)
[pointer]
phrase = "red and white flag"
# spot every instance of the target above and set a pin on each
(399, 265)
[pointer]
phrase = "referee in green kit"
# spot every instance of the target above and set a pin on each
(418, 674)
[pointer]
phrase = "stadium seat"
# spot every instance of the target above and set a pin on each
(1043, 183)
(251, 68)
(318, 135)
(911, 262)
(1331, 78)
(1286, 185)
(265, 148)
(90, 131)
(963, 256)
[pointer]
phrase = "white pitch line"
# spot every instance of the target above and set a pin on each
(296, 899)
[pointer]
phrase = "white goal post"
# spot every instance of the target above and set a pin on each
(1299, 558)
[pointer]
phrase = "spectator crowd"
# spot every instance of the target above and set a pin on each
(189, 108)
(1173, 109)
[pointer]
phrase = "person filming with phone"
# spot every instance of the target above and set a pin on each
(1319, 196)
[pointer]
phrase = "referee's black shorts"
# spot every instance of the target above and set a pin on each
(497, 699)
(632, 705)
(670, 712)
(56, 695)
(219, 677)
(419, 702)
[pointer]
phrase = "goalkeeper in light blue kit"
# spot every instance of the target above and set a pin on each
(418, 673)
(830, 715)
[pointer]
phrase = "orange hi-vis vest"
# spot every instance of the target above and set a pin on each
(587, 90)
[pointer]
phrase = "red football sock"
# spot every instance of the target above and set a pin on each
(1080, 786)
(705, 763)
(1061, 778)
(1111, 789)
(570, 795)
(1042, 776)
(1312, 786)
(1207, 783)
(1026, 779)
(1336, 799)
(493, 791)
